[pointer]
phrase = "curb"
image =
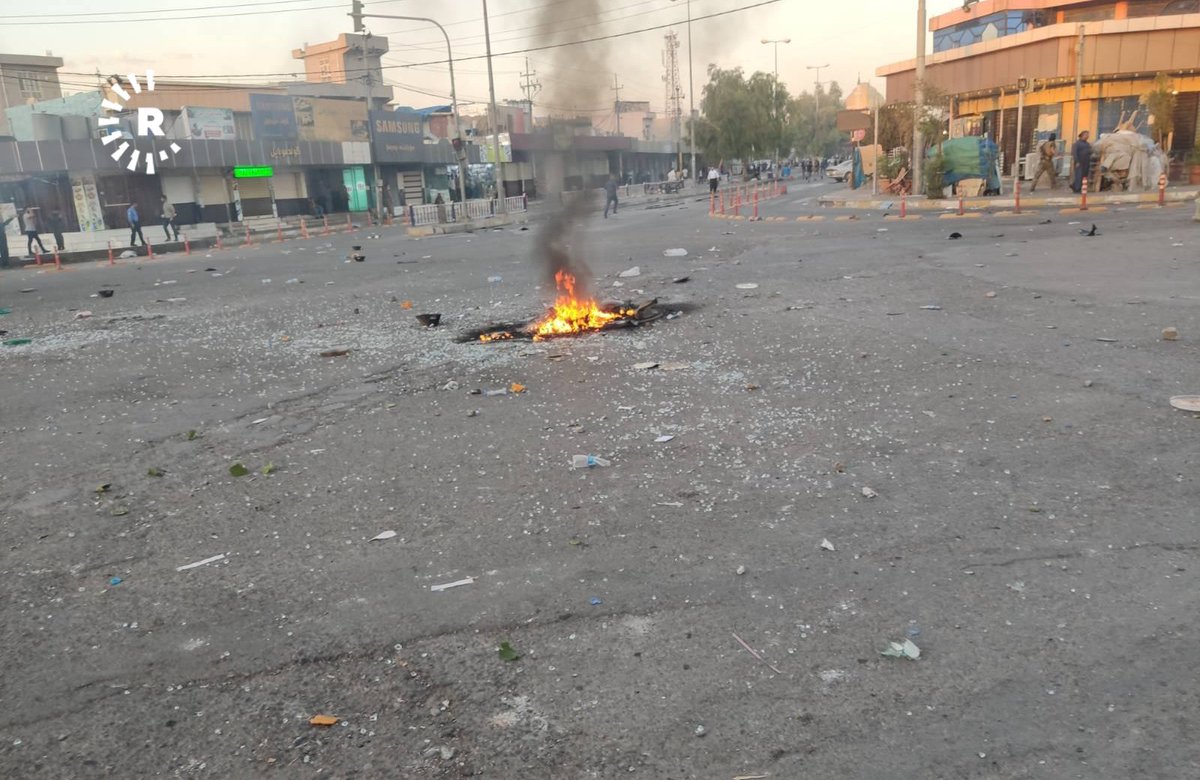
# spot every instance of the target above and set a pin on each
(1141, 200)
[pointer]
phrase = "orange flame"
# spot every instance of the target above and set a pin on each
(571, 314)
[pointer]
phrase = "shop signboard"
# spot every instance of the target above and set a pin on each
(273, 117)
(209, 124)
(398, 136)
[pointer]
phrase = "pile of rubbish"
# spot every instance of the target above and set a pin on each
(1129, 160)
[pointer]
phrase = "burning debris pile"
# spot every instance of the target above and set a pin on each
(575, 310)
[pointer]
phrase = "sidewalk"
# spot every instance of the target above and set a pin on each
(862, 198)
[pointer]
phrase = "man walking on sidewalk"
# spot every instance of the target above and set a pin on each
(1048, 151)
(1081, 154)
(31, 231)
(610, 195)
(57, 226)
(168, 219)
(135, 224)
(714, 179)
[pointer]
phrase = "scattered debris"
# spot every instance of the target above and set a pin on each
(495, 279)
(17, 342)
(674, 366)
(681, 280)
(700, 732)
(205, 562)
(406, 305)
(267, 470)
(989, 294)
(101, 293)
(323, 720)
(154, 471)
(1089, 233)
(238, 470)
(383, 536)
(119, 511)
(588, 461)
(507, 653)
(663, 439)
(645, 366)
(1107, 340)
(1170, 334)
(906, 649)
(82, 315)
(103, 488)
(335, 352)
(868, 493)
(115, 581)
(955, 236)
(631, 272)
(596, 601)
(828, 545)
(496, 391)
(1017, 586)
(740, 570)
(449, 585)
(517, 387)
(931, 307)
(754, 653)
(127, 254)
(747, 286)
(429, 320)
(677, 252)
(1188, 403)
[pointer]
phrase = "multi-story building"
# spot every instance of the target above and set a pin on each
(26, 79)
(993, 56)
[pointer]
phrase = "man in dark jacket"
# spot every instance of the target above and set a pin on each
(1081, 154)
(4, 241)
(610, 195)
(57, 226)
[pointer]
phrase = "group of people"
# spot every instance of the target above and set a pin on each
(1081, 156)
(56, 224)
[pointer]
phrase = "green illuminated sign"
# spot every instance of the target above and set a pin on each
(253, 172)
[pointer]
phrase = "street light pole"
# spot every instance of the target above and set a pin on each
(817, 101)
(461, 151)
(487, 37)
(918, 151)
(775, 88)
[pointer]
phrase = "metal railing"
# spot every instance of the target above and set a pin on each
(446, 213)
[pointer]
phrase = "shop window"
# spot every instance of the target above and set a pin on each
(1098, 14)
(1143, 8)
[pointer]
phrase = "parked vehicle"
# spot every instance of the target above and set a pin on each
(841, 172)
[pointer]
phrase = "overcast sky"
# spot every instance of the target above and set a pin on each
(852, 38)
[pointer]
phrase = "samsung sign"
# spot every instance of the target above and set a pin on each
(398, 136)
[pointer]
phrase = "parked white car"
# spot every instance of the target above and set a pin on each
(842, 171)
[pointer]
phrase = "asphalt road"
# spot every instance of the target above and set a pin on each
(1001, 478)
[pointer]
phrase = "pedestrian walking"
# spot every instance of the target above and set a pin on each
(1048, 151)
(169, 219)
(57, 226)
(610, 193)
(4, 241)
(1081, 155)
(135, 224)
(31, 231)
(714, 179)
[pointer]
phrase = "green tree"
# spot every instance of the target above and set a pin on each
(1160, 102)
(813, 130)
(741, 118)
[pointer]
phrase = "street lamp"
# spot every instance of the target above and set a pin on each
(817, 104)
(461, 151)
(775, 86)
(691, 90)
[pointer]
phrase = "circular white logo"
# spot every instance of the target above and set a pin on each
(149, 123)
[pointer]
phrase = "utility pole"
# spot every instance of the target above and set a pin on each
(375, 192)
(918, 151)
(530, 87)
(674, 96)
(1078, 90)
(617, 100)
(487, 37)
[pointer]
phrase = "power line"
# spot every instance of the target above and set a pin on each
(124, 20)
(545, 47)
(125, 14)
